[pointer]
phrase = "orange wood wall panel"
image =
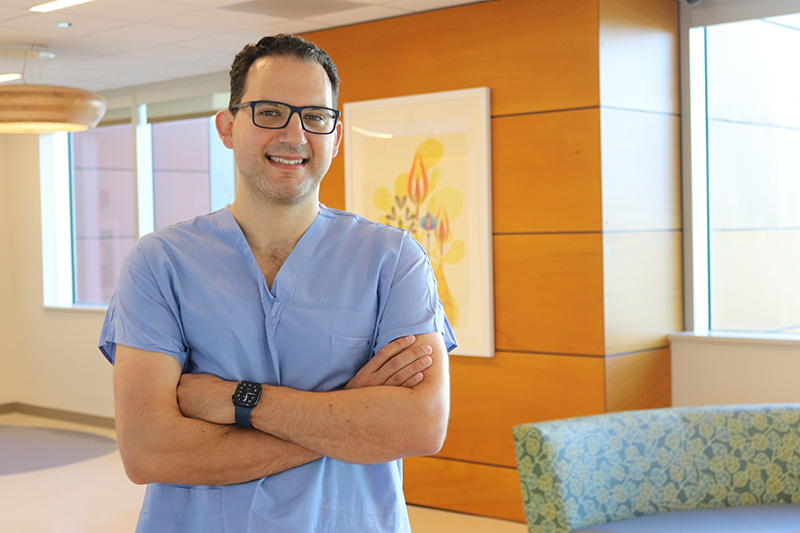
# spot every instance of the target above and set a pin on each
(639, 380)
(465, 487)
(492, 395)
(549, 293)
(546, 172)
(534, 55)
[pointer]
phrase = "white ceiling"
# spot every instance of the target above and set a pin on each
(119, 43)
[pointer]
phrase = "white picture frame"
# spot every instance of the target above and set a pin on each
(423, 163)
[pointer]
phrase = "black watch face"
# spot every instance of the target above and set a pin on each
(247, 394)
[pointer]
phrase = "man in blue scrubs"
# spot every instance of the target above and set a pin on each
(325, 329)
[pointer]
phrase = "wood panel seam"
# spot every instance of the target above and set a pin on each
(661, 113)
(653, 349)
(480, 463)
(546, 111)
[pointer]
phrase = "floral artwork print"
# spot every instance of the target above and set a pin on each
(424, 205)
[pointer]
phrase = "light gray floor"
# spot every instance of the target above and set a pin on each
(95, 496)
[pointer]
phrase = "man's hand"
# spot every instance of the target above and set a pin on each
(394, 365)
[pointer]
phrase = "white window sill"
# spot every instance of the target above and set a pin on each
(81, 308)
(736, 337)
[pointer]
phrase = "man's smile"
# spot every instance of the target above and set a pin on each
(285, 161)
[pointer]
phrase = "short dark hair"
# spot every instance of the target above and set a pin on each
(278, 45)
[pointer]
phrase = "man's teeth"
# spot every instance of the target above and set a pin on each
(286, 161)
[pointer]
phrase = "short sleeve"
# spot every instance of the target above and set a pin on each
(144, 311)
(411, 305)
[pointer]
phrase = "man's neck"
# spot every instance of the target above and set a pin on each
(266, 225)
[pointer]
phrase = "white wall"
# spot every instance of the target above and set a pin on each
(718, 370)
(8, 338)
(53, 356)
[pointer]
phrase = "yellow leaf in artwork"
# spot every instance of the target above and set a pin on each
(448, 197)
(383, 199)
(401, 185)
(436, 177)
(455, 253)
(431, 152)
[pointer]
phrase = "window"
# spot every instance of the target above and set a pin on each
(104, 188)
(103, 218)
(744, 174)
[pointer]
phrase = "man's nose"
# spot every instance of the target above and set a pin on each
(293, 132)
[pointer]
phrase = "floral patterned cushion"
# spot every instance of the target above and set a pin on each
(579, 472)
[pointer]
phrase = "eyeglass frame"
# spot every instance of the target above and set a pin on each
(292, 110)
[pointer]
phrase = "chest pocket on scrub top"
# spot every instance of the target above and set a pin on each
(348, 356)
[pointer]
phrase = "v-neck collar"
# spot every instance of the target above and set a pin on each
(283, 286)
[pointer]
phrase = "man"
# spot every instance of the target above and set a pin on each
(282, 293)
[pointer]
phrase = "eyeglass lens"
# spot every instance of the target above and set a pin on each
(277, 115)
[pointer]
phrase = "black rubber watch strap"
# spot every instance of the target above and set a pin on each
(243, 416)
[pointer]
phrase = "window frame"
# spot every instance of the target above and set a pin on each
(693, 18)
(183, 98)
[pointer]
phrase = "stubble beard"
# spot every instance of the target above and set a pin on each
(270, 187)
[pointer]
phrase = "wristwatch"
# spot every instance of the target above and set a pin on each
(244, 399)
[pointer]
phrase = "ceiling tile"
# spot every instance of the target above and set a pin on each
(8, 13)
(292, 9)
(151, 34)
(47, 23)
(362, 14)
(295, 26)
(118, 64)
(228, 43)
(206, 4)
(17, 36)
(22, 4)
(130, 11)
(219, 20)
(171, 54)
(95, 46)
(428, 5)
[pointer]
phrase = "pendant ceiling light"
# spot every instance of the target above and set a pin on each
(46, 108)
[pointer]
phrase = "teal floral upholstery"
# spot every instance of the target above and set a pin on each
(579, 472)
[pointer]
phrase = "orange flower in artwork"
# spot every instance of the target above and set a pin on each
(418, 181)
(443, 229)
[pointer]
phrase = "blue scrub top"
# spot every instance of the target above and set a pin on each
(350, 286)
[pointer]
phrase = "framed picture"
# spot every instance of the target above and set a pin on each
(423, 163)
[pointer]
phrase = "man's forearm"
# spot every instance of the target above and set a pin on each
(366, 423)
(363, 426)
(159, 445)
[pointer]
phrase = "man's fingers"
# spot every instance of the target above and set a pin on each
(417, 366)
(404, 359)
(388, 352)
(414, 380)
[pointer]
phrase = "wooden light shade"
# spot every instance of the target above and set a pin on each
(48, 108)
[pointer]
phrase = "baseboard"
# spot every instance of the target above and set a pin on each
(58, 414)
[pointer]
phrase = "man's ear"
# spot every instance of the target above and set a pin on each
(224, 122)
(339, 133)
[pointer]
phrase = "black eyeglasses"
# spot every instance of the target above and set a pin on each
(276, 115)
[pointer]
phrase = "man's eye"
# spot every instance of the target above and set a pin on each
(268, 112)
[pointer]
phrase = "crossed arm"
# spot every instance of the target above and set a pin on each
(178, 429)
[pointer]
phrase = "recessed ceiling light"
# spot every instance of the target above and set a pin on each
(58, 4)
(9, 77)
(64, 24)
